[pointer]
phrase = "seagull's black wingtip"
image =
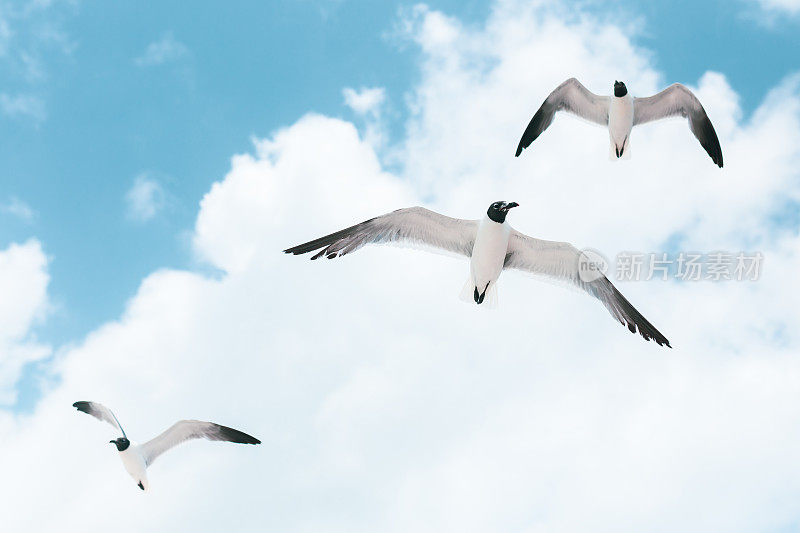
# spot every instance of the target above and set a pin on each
(296, 251)
(519, 151)
(661, 340)
(234, 435)
(716, 154)
(250, 440)
(636, 322)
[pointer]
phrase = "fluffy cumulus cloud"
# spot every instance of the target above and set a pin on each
(383, 402)
(23, 286)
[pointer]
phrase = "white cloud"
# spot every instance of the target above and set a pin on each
(368, 104)
(23, 286)
(383, 402)
(165, 50)
(22, 105)
(787, 6)
(144, 199)
(19, 209)
(367, 100)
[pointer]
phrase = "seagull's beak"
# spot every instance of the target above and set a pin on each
(510, 205)
(112, 442)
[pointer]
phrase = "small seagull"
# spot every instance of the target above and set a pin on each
(622, 112)
(492, 246)
(137, 458)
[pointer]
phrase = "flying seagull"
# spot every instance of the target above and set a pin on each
(622, 112)
(137, 458)
(492, 246)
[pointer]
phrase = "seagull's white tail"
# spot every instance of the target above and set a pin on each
(626, 150)
(490, 299)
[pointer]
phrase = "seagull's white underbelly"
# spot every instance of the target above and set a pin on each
(489, 253)
(134, 464)
(620, 120)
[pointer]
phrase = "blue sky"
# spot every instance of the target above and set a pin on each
(375, 409)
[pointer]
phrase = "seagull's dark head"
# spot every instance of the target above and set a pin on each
(498, 211)
(620, 89)
(121, 443)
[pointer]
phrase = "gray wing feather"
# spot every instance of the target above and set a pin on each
(192, 429)
(412, 225)
(678, 101)
(572, 97)
(100, 412)
(560, 261)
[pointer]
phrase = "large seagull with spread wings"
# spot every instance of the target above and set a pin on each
(492, 246)
(136, 458)
(621, 112)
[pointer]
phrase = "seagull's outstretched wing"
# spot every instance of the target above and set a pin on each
(572, 97)
(677, 100)
(100, 412)
(560, 261)
(412, 225)
(192, 429)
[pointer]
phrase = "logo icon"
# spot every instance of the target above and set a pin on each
(591, 265)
